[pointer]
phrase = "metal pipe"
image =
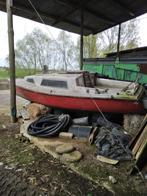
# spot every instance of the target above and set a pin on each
(81, 40)
(11, 61)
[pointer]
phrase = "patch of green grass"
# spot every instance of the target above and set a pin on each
(4, 74)
(20, 73)
(16, 152)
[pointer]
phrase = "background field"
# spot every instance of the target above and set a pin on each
(20, 73)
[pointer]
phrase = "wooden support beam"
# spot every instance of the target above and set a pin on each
(81, 40)
(11, 61)
(118, 42)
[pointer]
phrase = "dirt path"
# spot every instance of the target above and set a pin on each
(5, 98)
(5, 101)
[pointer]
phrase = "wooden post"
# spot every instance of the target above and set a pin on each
(81, 40)
(11, 61)
(118, 41)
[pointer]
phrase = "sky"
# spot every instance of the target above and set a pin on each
(23, 26)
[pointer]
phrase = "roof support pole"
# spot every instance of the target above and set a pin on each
(11, 61)
(81, 40)
(118, 41)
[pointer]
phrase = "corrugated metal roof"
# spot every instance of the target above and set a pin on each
(99, 15)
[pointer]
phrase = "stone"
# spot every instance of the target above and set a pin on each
(9, 168)
(112, 180)
(32, 180)
(4, 126)
(74, 156)
(18, 135)
(35, 110)
(64, 148)
(19, 170)
(132, 122)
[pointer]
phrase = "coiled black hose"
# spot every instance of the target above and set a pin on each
(49, 125)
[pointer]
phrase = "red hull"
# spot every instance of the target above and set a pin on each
(80, 103)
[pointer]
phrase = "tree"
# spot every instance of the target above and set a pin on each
(107, 40)
(90, 46)
(36, 50)
(32, 50)
(67, 54)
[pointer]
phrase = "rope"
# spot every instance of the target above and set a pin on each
(40, 17)
(99, 110)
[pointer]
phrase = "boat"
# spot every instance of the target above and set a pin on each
(82, 91)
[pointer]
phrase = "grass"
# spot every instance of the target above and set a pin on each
(20, 73)
(3, 74)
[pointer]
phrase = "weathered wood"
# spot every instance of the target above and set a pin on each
(141, 158)
(139, 147)
(93, 135)
(107, 160)
(141, 139)
(118, 42)
(11, 61)
(24, 114)
(81, 40)
(134, 140)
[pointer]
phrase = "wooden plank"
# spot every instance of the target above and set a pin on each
(141, 139)
(107, 160)
(141, 149)
(134, 140)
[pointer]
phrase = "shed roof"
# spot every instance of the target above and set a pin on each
(99, 15)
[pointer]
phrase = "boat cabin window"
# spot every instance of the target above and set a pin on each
(30, 80)
(54, 83)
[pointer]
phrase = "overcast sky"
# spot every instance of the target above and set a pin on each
(23, 26)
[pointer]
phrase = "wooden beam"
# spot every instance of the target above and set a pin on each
(11, 61)
(118, 41)
(81, 40)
